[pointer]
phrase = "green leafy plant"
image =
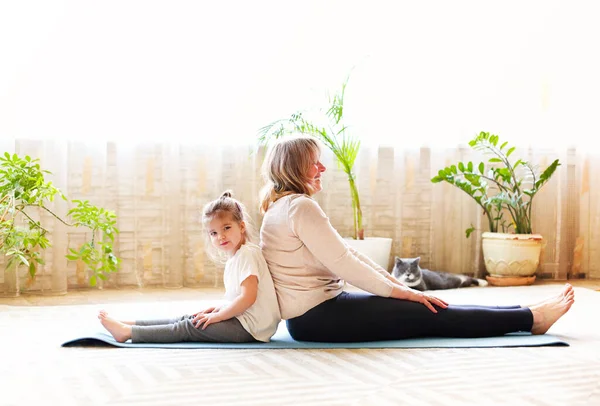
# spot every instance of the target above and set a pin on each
(504, 187)
(22, 188)
(329, 128)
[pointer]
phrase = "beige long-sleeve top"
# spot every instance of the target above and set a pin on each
(309, 260)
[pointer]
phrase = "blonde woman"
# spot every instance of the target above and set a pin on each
(309, 262)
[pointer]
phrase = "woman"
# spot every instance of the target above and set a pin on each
(309, 262)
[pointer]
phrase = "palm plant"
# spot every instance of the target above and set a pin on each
(506, 187)
(330, 129)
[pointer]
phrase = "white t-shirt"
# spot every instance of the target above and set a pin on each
(260, 319)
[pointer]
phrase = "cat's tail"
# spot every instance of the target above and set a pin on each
(481, 282)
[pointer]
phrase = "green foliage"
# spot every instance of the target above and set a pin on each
(505, 187)
(329, 128)
(97, 255)
(22, 186)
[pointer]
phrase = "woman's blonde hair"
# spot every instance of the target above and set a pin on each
(225, 204)
(285, 168)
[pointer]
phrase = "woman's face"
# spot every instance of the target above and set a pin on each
(315, 170)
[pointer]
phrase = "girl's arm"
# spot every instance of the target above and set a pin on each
(239, 305)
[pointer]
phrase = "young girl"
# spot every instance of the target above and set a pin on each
(252, 313)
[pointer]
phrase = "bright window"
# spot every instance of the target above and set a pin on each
(432, 72)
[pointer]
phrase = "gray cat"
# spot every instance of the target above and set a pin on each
(408, 271)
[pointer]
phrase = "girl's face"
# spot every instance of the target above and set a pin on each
(226, 234)
(315, 170)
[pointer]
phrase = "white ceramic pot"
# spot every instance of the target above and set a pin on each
(376, 248)
(511, 254)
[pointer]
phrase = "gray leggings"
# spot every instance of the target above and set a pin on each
(182, 329)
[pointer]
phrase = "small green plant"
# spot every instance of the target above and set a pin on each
(505, 187)
(329, 128)
(23, 187)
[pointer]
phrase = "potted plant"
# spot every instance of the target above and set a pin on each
(23, 189)
(505, 190)
(328, 126)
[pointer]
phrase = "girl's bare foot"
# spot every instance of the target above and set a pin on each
(546, 313)
(121, 332)
(105, 314)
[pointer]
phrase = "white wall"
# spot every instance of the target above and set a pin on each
(425, 72)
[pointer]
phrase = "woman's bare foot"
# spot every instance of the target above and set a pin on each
(566, 290)
(546, 313)
(121, 332)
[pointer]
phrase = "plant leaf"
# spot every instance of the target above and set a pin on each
(469, 230)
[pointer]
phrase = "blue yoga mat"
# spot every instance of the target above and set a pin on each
(282, 339)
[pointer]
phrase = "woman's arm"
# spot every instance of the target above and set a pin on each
(400, 290)
(375, 266)
(310, 224)
(238, 306)
(368, 260)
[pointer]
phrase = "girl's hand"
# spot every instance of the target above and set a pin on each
(413, 295)
(211, 309)
(239, 305)
(207, 319)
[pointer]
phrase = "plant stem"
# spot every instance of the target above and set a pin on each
(535, 190)
(500, 186)
(7, 207)
(493, 227)
(58, 218)
(359, 232)
(520, 228)
(30, 219)
(506, 162)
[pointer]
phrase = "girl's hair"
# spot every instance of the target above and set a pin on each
(225, 204)
(285, 168)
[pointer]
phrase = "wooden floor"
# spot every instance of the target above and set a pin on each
(93, 296)
(36, 370)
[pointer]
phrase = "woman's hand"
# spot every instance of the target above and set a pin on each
(207, 319)
(406, 293)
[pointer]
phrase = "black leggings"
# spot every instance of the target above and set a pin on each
(355, 317)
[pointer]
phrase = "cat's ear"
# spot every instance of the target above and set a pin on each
(417, 260)
(397, 260)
